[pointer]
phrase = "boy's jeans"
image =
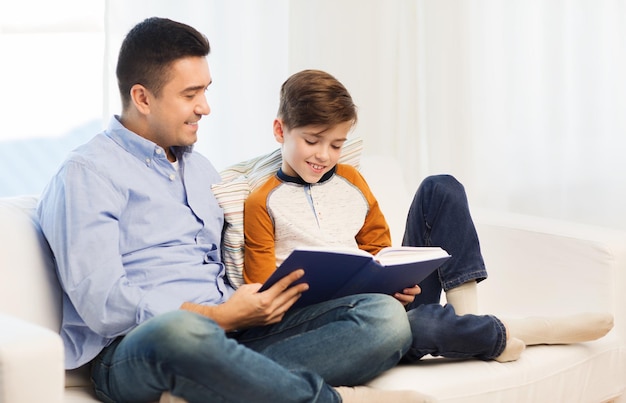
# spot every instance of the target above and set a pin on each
(439, 216)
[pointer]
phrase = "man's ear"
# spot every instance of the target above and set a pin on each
(140, 97)
(279, 134)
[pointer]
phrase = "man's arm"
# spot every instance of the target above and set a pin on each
(79, 215)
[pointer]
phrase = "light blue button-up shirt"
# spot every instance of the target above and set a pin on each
(132, 235)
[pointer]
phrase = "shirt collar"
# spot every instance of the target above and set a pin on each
(142, 148)
(296, 179)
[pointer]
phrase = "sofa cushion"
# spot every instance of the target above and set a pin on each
(29, 266)
(31, 361)
(585, 372)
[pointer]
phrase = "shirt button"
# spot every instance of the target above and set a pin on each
(147, 160)
(172, 177)
(158, 151)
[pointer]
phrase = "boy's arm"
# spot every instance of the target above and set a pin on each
(374, 236)
(259, 251)
(375, 233)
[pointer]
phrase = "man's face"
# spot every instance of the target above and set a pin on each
(311, 151)
(175, 112)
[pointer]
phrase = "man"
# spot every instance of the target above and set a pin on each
(136, 233)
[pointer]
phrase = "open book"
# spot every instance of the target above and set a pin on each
(333, 273)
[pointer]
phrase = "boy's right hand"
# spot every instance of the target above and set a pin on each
(408, 294)
(247, 307)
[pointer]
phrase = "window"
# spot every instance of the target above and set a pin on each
(51, 87)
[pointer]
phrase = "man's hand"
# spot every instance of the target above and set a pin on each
(247, 307)
(407, 295)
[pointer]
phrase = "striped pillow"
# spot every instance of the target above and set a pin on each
(237, 182)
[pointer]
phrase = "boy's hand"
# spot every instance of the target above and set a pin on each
(407, 295)
(247, 307)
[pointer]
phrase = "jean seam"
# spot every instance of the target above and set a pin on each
(477, 275)
(244, 340)
(500, 344)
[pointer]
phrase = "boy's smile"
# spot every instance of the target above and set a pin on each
(316, 168)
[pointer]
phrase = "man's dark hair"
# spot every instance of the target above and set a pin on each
(148, 51)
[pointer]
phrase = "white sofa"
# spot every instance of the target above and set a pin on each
(536, 266)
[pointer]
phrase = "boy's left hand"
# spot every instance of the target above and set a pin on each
(407, 295)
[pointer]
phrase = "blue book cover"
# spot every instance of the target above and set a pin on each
(334, 273)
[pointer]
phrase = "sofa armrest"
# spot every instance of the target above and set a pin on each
(31, 362)
(551, 267)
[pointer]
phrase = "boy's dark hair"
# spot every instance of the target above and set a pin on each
(314, 97)
(148, 51)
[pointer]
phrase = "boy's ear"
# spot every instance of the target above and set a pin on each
(279, 135)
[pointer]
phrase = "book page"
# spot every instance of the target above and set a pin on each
(346, 250)
(406, 254)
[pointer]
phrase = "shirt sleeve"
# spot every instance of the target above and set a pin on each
(375, 233)
(259, 248)
(81, 224)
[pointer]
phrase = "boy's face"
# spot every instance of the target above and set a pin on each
(310, 151)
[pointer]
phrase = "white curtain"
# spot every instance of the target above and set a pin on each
(525, 101)
(372, 47)
(522, 100)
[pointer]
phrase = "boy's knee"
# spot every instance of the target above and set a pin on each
(444, 181)
(446, 186)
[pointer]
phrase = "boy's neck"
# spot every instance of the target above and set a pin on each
(297, 179)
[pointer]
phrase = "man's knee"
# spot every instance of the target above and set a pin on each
(387, 316)
(180, 333)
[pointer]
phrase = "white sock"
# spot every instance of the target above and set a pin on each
(365, 394)
(464, 298)
(512, 351)
(167, 397)
(560, 330)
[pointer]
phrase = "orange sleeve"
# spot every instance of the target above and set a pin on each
(259, 257)
(374, 234)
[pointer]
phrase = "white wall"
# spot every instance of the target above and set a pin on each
(523, 100)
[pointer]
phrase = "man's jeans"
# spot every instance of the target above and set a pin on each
(347, 341)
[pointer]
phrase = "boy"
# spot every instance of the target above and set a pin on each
(313, 201)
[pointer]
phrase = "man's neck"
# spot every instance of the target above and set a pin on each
(135, 125)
